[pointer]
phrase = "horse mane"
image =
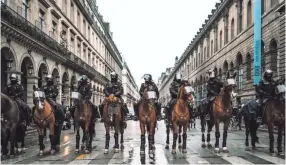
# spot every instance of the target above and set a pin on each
(180, 95)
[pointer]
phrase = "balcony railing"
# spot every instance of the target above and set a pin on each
(16, 20)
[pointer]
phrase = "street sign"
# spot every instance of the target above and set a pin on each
(257, 41)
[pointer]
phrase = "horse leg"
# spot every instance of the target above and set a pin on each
(41, 141)
(121, 138)
(185, 138)
(180, 137)
(12, 140)
(150, 137)
(246, 121)
(52, 137)
(142, 147)
(210, 124)
(225, 128)
(107, 137)
(271, 138)
(83, 140)
(4, 142)
(217, 136)
(87, 137)
(77, 139)
(253, 134)
(279, 139)
(203, 128)
(168, 133)
(175, 136)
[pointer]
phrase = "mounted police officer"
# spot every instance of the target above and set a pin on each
(51, 92)
(152, 87)
(187, 83)
(213, 88)
(115, 87)
(15, 91)
(84, 88)
(264, 90)
(174, 89)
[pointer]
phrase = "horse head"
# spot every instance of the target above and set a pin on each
(76, 97)
(230, 84)
(39, 98)
(186, 93)
(280, 92)
(149, 96)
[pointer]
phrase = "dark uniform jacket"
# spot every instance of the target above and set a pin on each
(150, 86)
(213, 87)
(174, 89)
(264, 89)
(113, 88)
(14, 91)
(85, 90)
(51, 91)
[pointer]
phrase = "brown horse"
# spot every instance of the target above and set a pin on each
(181, 117)
(112, 117)
(44, 118)
(222, 110)
(82, 119)
(274, 114)
(147, 119)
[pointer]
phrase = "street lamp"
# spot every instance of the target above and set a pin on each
(9, 63)
(30, 70)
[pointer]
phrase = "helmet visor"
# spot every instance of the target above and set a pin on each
(178, 77)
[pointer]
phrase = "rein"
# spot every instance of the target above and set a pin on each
(217, 104)
(42, 120)
(180, 97)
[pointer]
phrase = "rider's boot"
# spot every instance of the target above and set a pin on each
(158, 112)
(208, 111)
(259, 114)
(124, 117)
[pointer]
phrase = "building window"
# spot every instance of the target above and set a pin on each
(220, 39)
(78, 19)
(226, 30)
(212, 47)
(248, 66)
(263, 58)
(41, 19)
(273, 55)
(232, 29)
(72, 12)
(205, 53)
(79, 49)
(199, 59)
(25, 9)
(72, 45)
(64, 6)
(240, 16)
(274, 2)
(216, 40)
(54, 30)
(84, 28)
(249, 13)
(262, 7)
(240, 71)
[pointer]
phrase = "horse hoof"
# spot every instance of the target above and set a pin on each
(122, 147)
(86, 151)
(225, 150)
(216, 150)
(116, 150)
(281, 153)
(153, 147)
(11, 156)
(82, 148)
(3, 157)
(254, 148)
(209, 145)
(151, 152)
(53, 152)
(184, 151)
(41, 153)
(247, 149)
(273, 154)
(174, 151)
(203, 145)
(23, 150)
(167, 147)
(76, 151)
(180, 146)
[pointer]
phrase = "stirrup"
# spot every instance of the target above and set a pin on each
(259, 120)
(207, 116)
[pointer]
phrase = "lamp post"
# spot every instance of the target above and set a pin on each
(9, 63)
(30, 70)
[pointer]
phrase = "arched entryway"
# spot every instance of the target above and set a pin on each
(43, 71)
(7, 64)
(65, 89)
(27, 70)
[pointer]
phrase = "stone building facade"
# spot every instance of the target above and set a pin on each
(225, 43)
(131, 93)
(64, 38)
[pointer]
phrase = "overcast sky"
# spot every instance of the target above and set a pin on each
(151, 33)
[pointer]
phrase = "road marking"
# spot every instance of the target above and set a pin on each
(120, 158)
(85, 158)
(236, 160)
(267, 157)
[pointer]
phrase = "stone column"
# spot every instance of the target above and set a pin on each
(31, 81)
(67, 95)
(59, 98)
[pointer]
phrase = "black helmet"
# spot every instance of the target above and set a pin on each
(49, 78)
(113, 77)
(13, 78)
(211, 74)
(178, 77)
(147, 77)
(268, 75)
